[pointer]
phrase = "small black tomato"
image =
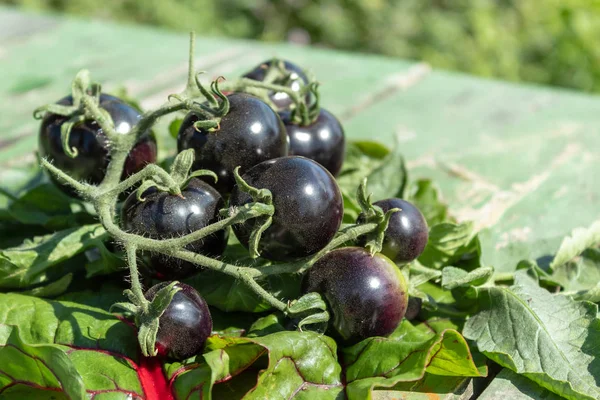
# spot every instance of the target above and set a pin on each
(163, 216)
(414, 308)
(185, 325)
(250, 133)
(296, 80)
(407, 233)
(92, 145)
(366, 294)
(322, 141)
(308, 207)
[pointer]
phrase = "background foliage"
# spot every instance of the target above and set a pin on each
(545, 41)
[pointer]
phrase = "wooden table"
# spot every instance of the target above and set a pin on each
(521, 161)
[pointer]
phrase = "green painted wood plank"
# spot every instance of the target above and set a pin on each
(152, 64)
(16, 26)
(509, 385)
(518, 160)
(432, 387)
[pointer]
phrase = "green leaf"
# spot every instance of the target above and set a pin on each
(41, 203)
(81, 349)
(229, 294)
(425, 194)
(41, 367)
(453, 278)
(420, 274)
(302, 365)
(30, 262)
(572, 246)
(148, 321)
(51, 289)
(174, 127)
(405, 356)
(390, 176)
(360, 160)
(551, 339)
(67, 323)
(266, 325)
(224, 358)
(592, 294)
(371, 149)
(101, 262)
(448, 243)
(581, 273)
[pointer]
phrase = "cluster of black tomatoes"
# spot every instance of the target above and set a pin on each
(366, 294)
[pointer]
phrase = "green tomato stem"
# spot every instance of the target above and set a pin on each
(349, 234)
(136, 286)
(81, 188)
(167, 246)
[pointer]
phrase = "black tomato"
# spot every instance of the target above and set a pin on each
(92, 145)
(249, 134)
(407, 234)
(414, 308)
(322, 141)
(367, 295)
(296, 80)
(185, 325)
(308, 207)
(163, 216)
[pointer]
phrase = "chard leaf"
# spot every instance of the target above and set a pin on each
(68, 350)
(36, 368)
(302, 365)
(51, 289)
(299, 365)
(31, 262)
(41, 203)
(449, 243)
(572, 246)
(406, 356)
(551, 339)
(223, 359)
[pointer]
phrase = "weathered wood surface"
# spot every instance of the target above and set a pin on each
(523, 162)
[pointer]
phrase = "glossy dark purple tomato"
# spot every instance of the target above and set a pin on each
(322, 141)
(407, 234)
(308, 207)
(414, 308)
(297, 79)
(92, 145)
(250, 133)
(163, 216)
(367, 295)
(185, 325)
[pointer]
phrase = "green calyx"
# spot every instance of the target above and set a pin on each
(178, 177)
(147, 314)
(374, 214)
(311, 308)
(82, 89)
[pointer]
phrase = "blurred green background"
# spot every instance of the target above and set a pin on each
(555, 42)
